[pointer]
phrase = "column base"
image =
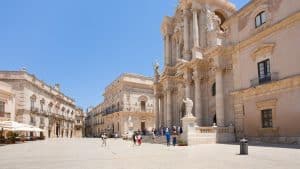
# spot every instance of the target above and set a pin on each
(197, 54)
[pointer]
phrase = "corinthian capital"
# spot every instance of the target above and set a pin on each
(167, 26)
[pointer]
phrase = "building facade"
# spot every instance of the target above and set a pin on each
(31, 101)
(240, 68)
(129, 96)
(7, 102)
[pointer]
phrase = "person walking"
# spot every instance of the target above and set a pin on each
(134, 139)
(139, 139)
(153, 135)
(104, 138)
(168, 137)
(174, 137)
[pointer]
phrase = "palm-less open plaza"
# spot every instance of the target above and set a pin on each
(88, 154)
(209, 77)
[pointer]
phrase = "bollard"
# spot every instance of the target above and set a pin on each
(243, 147)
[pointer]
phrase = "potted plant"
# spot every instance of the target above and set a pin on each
(11, 137)
(2, 138)
(22, 138)
(182, 143)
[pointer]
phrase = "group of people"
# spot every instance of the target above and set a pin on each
(174, 133)
(137, 138)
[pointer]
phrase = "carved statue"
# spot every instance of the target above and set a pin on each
(129, 121)
(214, 21)
(188, 106)
(156, 71)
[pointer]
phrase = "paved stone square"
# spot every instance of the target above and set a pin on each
(88, 154)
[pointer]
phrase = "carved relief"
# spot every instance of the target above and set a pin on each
(263, 50)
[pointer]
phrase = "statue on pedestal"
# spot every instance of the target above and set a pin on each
(156, 71)
(130, 123)
(188, 106)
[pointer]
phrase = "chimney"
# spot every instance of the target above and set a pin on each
(57, 87)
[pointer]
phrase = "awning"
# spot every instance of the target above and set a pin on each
(15, 126)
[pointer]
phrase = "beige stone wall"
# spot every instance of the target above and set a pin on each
(285, 116)
(123, 98)
(27, 87)
(8, 98)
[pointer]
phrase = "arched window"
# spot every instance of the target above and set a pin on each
(32, 101)
(143, 100)
(143, 106)
(222, 19)
(260, 19)
(2, 107)
(213, 89)
(42, 103)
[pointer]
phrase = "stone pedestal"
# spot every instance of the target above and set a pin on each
(130, 132)
(189, 128)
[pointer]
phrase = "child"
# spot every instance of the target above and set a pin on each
(139, 139)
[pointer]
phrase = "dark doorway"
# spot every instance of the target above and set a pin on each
(215, 119)
(57, 130)
(143, 127)
(143, 106)
(183, 110)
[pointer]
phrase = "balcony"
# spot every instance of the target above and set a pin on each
(271, 77)
(33, 123)
(5, 116)
(34, 110)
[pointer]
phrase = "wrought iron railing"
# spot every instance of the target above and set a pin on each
(5, 115)
(271, 77)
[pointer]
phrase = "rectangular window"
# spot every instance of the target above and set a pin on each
(32, 104)
(143, 106)
(260, 19)
(263, 17)
(2, 107)
(264, 72)
(42, 120)
(267, 119)
(257, 21)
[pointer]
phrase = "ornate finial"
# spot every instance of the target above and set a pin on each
(23, 69)
(156, 71)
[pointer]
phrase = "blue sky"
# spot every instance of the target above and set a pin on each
(83, 44)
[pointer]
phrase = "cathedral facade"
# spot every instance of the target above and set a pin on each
(239, 67)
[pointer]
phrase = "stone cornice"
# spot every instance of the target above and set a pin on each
(266, 104)
(243, 11)
(30, 78)
(263, 50)
(284, 84)
(268, 31)
(167, 26)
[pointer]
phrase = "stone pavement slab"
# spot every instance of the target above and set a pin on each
(119, 154)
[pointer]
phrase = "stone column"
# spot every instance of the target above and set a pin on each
(156, 101)
(187, 79)
(165, 109)
(161, 112)
(219, 95)
(195, 29)
(187, 53)
(198, 103)
(177, 50)
(169, 107)
(168, 50)
(202, 28)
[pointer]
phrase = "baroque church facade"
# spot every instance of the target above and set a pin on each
(239, 67)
